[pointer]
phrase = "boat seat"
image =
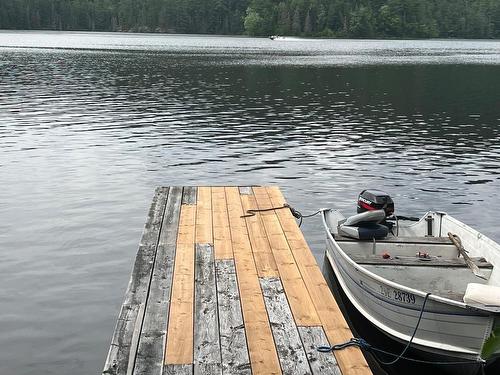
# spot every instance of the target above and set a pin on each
(412, 240)
(482, 294)
(377, 259)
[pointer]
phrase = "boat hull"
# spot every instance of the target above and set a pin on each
(446, 329)
(383, 341)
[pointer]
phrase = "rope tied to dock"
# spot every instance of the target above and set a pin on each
(297, 214)
(363, 344)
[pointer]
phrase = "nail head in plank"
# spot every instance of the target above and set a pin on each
(350, 360)
(189, 195)
(291, 352)
(321, 363)
(122, 350)
(207, 352)
(233, 342)
(263, 356)
(149, 359)
(179, 348)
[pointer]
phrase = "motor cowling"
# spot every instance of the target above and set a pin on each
(370, 200)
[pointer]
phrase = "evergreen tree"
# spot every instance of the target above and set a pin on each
(339, 18)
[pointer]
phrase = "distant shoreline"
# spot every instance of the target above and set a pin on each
(241, 35)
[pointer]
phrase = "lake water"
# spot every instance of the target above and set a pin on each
(90, 123)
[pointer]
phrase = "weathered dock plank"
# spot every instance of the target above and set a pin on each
(321, 363)
(207, 352)
(234, 349)
(286, 337)
(215, 291)
(263, 355)
(149, 358)
(350, 360)
(178, 370)
(121, 356)
(179, 349)
(189, 195)
(245, 190)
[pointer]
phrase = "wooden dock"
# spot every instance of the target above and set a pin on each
(215, 292)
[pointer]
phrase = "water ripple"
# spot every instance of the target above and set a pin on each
(85, 135)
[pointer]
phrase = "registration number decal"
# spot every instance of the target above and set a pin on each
(397, 295)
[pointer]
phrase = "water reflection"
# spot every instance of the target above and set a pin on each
(86, 135)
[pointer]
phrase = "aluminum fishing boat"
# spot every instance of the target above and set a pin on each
(387, 266)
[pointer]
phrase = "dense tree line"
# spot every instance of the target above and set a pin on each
(376, 18)
(330, 18)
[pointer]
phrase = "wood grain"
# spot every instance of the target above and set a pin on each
(179, 348)
(291, 352)
(189, 195)
(264, 258)
(298, 296)
(207, 352)
(204, 215)
(321, 363)
(350, 360)
(178, 370)
(222, 235)
(149, 358)
(233, 341)
(263, 355)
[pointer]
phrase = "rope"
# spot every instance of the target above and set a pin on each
(361, 343)
(412, 336)
(297, 214)
(253, 212)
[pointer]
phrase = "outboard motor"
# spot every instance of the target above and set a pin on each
(370, 200)
(374, 207)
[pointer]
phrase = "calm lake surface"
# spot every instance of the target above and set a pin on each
(90, 123)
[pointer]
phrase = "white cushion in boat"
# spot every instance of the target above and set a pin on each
(488, 295)
(375, 216)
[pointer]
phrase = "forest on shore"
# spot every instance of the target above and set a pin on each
(322, 18)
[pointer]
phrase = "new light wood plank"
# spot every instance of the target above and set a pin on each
(263, 356)
(233, 341)
(123, 347)
(149, 359)
(221, 233)
(207, 351)
(321, 363)
(204, 215)
(264, 258)
(291, 352)
(189, 195)
(179, 349)
(350, 360)
(303, 309)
